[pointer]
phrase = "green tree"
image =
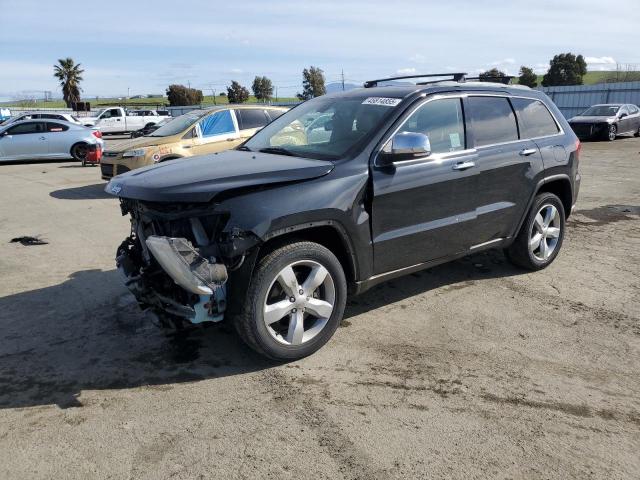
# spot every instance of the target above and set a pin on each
(179, 95)
(493, 75)
(236, 93)
(527, 77)
(312, 83)
(565, 69)
(70, 75)
(262, 88)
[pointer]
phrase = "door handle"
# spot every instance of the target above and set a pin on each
(42, 138)
(464, 165)
(528, 151)
(117, 119)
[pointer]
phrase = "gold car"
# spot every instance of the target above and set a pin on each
(195, 133)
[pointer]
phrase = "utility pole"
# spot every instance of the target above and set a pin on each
(343, 79)
(214, 95)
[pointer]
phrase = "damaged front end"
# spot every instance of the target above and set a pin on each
(176, 261)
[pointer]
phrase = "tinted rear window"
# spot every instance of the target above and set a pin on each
(492, 120)
(252, 118)
(534, 118)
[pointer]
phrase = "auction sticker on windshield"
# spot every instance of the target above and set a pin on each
(386, 101)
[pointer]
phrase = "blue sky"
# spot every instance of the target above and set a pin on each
(142, 46)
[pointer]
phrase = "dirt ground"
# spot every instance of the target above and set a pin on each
(470, 370)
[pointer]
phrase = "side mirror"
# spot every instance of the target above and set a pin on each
(406, 146)
(622, 115)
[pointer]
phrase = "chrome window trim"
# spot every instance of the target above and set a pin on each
(442, 156)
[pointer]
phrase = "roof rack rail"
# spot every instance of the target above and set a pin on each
(456, 77)
(505, 80)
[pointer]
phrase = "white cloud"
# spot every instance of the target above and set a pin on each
(600, 60)
(406, 71)
(418, 58)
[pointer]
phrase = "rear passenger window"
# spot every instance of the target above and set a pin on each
(252, 118)
(275, 113)
(442, 121)
(492, 120)
(534, 118)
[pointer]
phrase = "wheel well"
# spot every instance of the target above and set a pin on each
(174, 157)
(562, 189)
(75, 145)
(326, 236)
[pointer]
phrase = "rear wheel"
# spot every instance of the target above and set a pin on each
(540, 238)
(294, 303)
(637, 134)
(79, 152)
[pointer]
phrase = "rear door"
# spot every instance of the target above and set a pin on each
(626, 123)
(418, 205)
(24, 142)
(506, 166)
(634, 114)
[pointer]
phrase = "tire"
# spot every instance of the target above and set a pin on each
(537, 258)
(79, 152)
(267, 300)
(637, 134)
(612, 131)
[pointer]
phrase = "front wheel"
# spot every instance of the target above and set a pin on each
(637, 134)
(612, 131)
(541, 235)
(294, 303)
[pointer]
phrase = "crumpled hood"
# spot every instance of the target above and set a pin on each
(139, 142)
(199, 179)
(598, 119)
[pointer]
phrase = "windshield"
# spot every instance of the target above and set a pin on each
(322, 128)
(176, 125)
(601, 111)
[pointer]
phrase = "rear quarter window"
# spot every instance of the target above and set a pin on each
(534, 118)
(252, 118)
(492, 120)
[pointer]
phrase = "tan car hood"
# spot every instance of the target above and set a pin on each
(141, 142)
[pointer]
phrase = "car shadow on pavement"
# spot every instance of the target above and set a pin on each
(86, 192)
(87, 333)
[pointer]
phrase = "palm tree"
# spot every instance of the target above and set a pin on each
(70, 76)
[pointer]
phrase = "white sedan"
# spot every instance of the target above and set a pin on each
(67, 117)
(49, 139)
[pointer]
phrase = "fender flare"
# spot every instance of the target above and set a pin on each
(540, 184)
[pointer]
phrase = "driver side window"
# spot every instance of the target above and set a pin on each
(442, 121)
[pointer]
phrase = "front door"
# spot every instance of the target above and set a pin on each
(24, 141)
(216, 132)
(420, 205)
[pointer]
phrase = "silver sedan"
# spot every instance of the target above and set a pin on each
(49, 139)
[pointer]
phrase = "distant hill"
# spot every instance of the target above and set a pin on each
(593, 78)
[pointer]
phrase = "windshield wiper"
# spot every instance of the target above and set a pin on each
(278, 151)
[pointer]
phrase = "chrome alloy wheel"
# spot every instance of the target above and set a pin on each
(545, 232)
(299, 302)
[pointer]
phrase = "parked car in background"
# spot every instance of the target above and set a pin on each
(42, 139)
(195, 133)
(272, 235)
(5, 114)
(119, 120)
(607, 121)
(67, 117)
(149, 127)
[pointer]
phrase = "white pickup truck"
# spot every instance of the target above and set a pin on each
(119, 120)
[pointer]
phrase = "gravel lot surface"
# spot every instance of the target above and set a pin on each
(469, 370)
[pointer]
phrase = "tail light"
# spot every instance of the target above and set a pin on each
(97, 133)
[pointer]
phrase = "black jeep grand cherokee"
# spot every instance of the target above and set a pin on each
(341, 193)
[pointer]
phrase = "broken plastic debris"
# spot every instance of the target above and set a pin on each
(27, 241)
